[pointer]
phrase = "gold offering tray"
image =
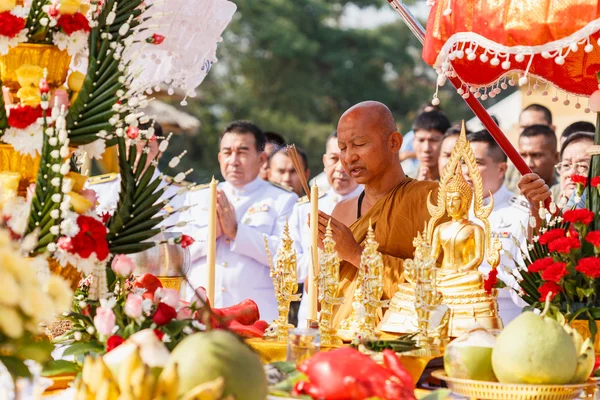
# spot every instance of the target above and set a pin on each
(484, 390)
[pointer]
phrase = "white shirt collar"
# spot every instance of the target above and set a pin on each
(246, 189)
(501, 197)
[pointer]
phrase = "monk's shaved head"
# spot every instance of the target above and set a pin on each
(370, 116)
(369, 143)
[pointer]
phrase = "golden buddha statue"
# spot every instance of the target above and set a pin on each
(328, 283)
(462, 246)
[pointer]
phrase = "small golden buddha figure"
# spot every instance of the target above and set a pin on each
(459, 246)
(328, 283)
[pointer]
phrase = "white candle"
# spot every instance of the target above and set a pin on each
(212, 243)
(314, 230)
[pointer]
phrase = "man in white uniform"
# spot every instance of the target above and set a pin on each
(248, 209)
(509, 215)
(342, 187)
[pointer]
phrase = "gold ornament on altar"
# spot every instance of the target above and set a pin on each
(283, 273)
(328, 283)
(362, 322)
(464, 245)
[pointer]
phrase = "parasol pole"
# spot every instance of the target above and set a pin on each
(480, 112)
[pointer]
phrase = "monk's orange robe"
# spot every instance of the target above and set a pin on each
(397, 219)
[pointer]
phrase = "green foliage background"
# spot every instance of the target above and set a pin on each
(290, 67)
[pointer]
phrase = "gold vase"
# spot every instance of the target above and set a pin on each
(47, 56)
(24, 164)
(68, 272)
(581, 326)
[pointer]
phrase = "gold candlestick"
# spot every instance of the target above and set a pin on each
(362, 323)
(285, 282)
(328, 283)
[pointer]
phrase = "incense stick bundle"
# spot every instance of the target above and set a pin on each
(299, 167)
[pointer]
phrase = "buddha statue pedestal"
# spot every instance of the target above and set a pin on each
(466, 309)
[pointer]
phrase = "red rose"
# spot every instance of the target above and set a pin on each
(22, 116)
(73, 22)
(186, 241)
(593, 237)
(159, 334)
(589, 266)
(582, 216)
(564, 245)
(10, 25)
(491, 281)
(555, 272)
(149, 283)
(548, 287)
(164, 314)
(579, 179)
(595, 181)
(540, 265)
(91, 238)
(551, 235)
(114, 341)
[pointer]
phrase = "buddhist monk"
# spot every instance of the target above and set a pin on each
(394, 204)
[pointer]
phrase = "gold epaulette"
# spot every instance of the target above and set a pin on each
(277, 185)
(200, 187)
(94, 180)
(171, 180)
(305, 199)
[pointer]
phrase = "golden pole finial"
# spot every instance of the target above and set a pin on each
(329, 280)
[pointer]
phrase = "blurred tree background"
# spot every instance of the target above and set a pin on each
(293, 67)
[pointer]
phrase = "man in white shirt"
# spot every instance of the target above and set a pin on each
(508, 220)
(248, 209)
(342, 187)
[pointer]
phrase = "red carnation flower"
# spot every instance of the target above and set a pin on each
(564, 245)
(113, 342)
(589, 266)
(581, 216)
(22, 116)
(491, 281)
(156, 39)
(540, 265)
(164, 314)
(73, 22)
(555, 272)
(105, 216)
(186, 241)
(551, 235)
(579, 179)
(91, 238)
(159, 334)
(593, 237)
(10, 25)
(595, 181)
(548, 287)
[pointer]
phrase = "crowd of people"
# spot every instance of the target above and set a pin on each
(371, 171)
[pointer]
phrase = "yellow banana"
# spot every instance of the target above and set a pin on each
(212, 390)
(575, 336)
(167, 386)
(87, 373)
(129, 367)
(585, 362)
(108, 391)
(142, 383)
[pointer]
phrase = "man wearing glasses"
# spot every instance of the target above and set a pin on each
(574, 160)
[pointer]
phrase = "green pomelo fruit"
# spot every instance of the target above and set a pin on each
(470, 356)
(534, 350)
(205, 356)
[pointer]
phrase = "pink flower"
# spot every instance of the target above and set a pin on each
(59, 98)
(123, 266)
(90, 195)
(168, 296)
(65, 243)
(105, 320)
(184, 310)
(133, 306)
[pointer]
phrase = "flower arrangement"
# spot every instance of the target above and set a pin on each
(29, 297)
(562, 260)
(102, 323)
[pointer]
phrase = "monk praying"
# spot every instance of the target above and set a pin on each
(395, 205)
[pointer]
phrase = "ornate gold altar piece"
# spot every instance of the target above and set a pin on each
(56, 61)
(11, 161)
(283, 273)
(464, 246)
(328, 283)
(362, 322)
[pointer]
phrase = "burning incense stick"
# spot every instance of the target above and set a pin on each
(299, 167)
